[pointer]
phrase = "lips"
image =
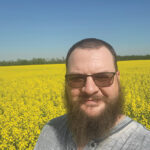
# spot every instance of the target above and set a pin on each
(91, 103)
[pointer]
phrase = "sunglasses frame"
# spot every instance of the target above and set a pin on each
(84, 76)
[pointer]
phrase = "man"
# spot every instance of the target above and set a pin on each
(94, 101)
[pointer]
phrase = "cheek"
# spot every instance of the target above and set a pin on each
(107, 92)
(115, 89)
(112, 91)
(73, 93)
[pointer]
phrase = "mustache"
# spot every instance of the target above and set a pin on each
(93, 97)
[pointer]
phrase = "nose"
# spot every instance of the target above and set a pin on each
(90, 87)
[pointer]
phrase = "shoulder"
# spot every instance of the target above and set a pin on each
(140, 129)
(131, 127)
(59, 121)
(56, 126)
(135, 128)
(52, 134)
(140, 135)
(130, 135)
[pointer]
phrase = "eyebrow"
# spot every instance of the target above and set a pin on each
(74, 72)
(91, 74)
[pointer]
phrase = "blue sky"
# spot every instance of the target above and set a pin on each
(47, 28)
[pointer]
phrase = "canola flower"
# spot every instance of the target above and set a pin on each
(135, 79)
(32, 95)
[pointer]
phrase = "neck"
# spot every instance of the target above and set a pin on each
(80, 148)
(120, 117)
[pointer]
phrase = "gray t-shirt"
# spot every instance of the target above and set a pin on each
(127, 135)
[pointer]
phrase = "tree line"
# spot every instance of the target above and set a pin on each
(133, 57)
(33, 61)
(36, 61)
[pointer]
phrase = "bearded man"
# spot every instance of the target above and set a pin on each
(94, 103)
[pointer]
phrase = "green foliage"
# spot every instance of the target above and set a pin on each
(35, 61)
(134, 57)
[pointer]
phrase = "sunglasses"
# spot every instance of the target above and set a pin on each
(103, 79)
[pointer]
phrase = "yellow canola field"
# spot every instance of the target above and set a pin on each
(32, 95)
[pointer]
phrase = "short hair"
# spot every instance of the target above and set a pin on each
(92, 43)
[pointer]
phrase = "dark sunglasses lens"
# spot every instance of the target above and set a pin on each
(100, 79)
(103, 79)
(75, 81)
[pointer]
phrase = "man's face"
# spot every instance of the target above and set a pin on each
(91, 99)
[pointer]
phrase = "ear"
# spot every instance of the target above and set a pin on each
(118, 75)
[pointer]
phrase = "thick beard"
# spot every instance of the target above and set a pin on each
(85, 128)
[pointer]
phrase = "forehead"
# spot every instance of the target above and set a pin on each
(90, 61)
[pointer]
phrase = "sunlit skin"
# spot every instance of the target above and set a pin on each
(93, 61)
